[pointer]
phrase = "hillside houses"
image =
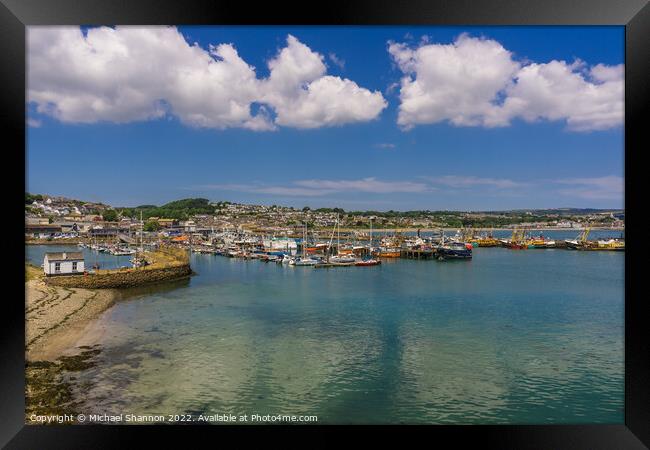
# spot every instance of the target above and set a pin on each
(54, 217)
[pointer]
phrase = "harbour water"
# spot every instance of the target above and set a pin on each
(516, 337)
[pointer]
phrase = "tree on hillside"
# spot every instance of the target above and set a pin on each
(151, 225)
(109, 215)
(30, 198)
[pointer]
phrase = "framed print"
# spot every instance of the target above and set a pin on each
(404, 217)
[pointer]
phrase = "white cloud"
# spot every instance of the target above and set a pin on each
(263, 189)
(34, 123)
(457, 82)
(600, 188)
(370, 184)
(385, 145)
(304, 97)
(556, 91)
(597, 188)
(339, 62)
(603, 73)
(127, 74)
(456, 181)
(477, 82)
(313, 188)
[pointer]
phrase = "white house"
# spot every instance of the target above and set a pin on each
(66, 263)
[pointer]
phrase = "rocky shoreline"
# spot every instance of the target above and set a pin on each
(59, 311)
(55, 320)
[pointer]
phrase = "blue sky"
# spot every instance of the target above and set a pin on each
(356, 117)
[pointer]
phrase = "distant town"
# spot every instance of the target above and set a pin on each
(49, 217)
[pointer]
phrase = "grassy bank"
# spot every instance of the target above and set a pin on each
(33, 272)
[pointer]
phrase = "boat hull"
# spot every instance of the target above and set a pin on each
(372, 262)
(446, 253)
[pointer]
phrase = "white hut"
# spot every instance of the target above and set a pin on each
(65, 263)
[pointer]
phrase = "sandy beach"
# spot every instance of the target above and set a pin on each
(56, 317)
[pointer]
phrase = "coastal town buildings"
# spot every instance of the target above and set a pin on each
(57, 217)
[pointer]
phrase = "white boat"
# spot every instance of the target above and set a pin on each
(286, 259)
(339, 258)
(342, 259)
(304, 262)
(123, 252)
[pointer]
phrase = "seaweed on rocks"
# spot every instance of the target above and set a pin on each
(48, 389)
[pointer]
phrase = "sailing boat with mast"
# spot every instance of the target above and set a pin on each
(369, 261)
(304, 260)
(340, 258)
(138, 259)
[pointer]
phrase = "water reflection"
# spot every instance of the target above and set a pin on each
(512, 337)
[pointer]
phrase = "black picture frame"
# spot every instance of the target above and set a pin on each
(15, 15)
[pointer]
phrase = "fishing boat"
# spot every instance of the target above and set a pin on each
(468, 236)
(390, 247)
(454, 250)
(389, 252)
(580, 241)
(609, 244)
(487, 240)
(517, 241)
(603, 245)
(540, 242)
(517, 246)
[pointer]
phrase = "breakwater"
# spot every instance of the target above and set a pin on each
(124, 278)
(165, 264)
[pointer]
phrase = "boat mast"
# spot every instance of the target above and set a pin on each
(338, 235)
(141, 230)
(370, 247)
(329, 247)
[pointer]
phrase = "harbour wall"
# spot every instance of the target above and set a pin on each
(123, 278)
(165, 264)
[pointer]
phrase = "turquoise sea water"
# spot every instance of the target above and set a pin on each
(521, 337)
